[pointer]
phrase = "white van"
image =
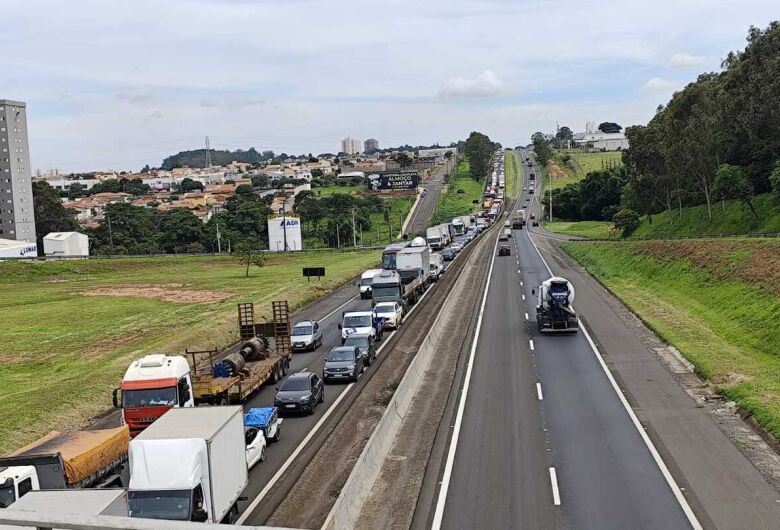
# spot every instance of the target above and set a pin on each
(365, 282)
(436, 265)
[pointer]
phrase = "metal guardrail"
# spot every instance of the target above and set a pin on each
(43, 520)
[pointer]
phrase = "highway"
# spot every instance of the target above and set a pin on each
(543, 439)
(425, 206)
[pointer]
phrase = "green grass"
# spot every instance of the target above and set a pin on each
(719, 312)
(734, 219)
(332, 190)
(399, 209)
(62, 352)
(592, 229)
(453, 203)
(582, 162)
(513, 172)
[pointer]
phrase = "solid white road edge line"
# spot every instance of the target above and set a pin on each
(539, 391)
(676, 491)
(249, 509)
(554, 484)
(445, 481)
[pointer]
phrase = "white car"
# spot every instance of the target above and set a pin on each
(255, 446)
(457, 247)
(392, 312)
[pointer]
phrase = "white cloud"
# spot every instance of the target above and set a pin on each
(486, 84)
(658, 84)
(684, 60)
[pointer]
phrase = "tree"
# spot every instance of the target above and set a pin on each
(563, 137)
(76, 190)
(249, 253)
(134, 187)
(610, 127)
(479, 152)
(179, 230)
(626, 220)
(542, 151)
(731, 182)
(50, 214)
(187, 185)
(106, 186)
(126, 229)
(403, 160)
(537, 137)
(146, 169)
(774, 179)
(262, 180)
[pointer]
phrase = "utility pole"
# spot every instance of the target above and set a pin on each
(551, 201)
(208, 153)
(338, 240)
(354, 233)
(110, 236)
(219, 240)
(284, 223)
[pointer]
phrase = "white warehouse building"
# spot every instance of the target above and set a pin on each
(66, 244)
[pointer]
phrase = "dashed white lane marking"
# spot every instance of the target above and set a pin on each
(539, 391)
(531, 343)
(554, 483)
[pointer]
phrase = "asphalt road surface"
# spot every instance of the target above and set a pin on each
(545, 440)
(422, 215)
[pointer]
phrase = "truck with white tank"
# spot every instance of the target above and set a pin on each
(189, 465)
(554, 311)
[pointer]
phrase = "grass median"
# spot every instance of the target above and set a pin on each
(462, 191)
(717, 301)
(70, 328)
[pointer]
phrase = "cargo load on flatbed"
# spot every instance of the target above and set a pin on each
(73, 460)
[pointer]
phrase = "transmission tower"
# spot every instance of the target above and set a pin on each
(208, 153)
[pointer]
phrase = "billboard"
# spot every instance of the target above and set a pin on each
(394, 180)
(284, 229)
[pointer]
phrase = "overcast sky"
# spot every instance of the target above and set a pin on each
(118, 84)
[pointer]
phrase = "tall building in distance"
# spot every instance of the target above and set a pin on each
(370, 145)
(17, 219)
(351, 146)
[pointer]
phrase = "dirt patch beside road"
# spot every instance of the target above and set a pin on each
(166, 293)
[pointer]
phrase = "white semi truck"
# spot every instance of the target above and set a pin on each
(189, 465)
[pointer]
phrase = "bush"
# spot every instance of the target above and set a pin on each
(774, 180)
(626, 220)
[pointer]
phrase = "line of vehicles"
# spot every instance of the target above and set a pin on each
(174, 459)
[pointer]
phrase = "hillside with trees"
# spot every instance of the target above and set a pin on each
(708, 161)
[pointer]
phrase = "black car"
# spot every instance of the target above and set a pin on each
(504, 250)
(300, 392)
(365, 344)
(448, 254)
(534, 223)
(343, 363)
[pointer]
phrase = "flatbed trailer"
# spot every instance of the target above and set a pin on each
(235, 389)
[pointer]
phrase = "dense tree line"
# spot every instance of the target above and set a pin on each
(329, 219)
(718, 138)
(197, 157)
(479, 150)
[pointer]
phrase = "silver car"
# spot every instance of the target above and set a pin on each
(306, 336)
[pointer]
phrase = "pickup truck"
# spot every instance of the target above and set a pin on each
(361, 322)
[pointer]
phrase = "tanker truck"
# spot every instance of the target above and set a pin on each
(554, 311)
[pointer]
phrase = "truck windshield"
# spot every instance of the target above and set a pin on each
(388, 261)
(174, 505)
(363, 321)
(379, 291)
(150, 397)
(7, 495)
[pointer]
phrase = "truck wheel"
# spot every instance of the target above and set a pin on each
(222, 401)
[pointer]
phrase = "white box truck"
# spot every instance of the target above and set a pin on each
(433, 236)
(413, 263)
(189, 465)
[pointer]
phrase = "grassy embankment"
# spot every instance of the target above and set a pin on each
(570, 166)
(733, 217)
(512, 172)
(462, 190)
(589, 229)
(717, 301)
(67, 338)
